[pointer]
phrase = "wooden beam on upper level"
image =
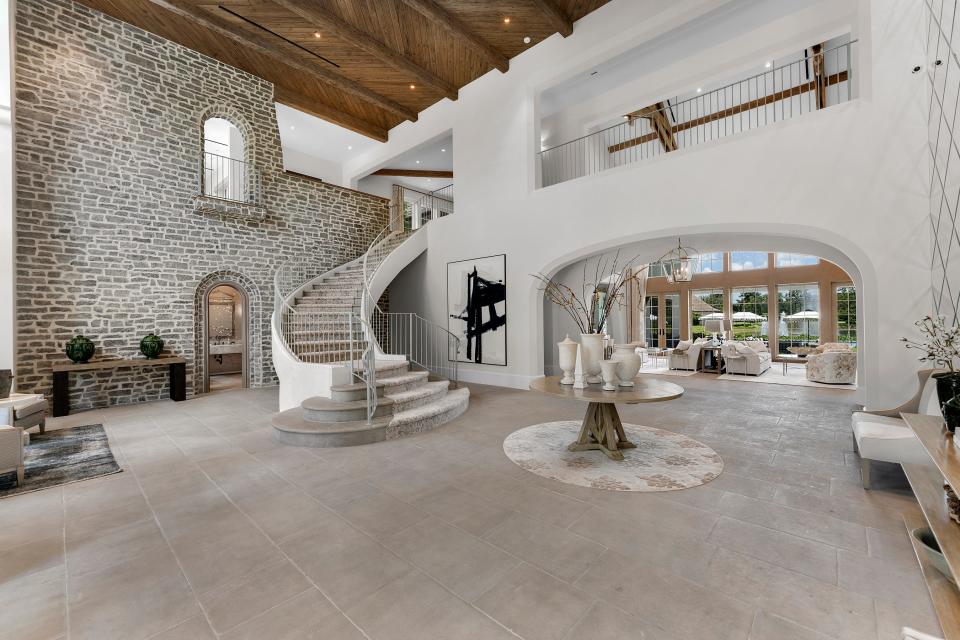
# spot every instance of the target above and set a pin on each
(820, 86)
(660, 123)
(453, 25)
(413, 173)
(268, 48)
(830, 80)
(347, 32)
(328, 113)
(555, 15)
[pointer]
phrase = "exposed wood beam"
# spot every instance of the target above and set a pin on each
(310, 10)
(660, 123)
(731, 111)
(413, 173)
(819, 86)
(456, 27)
(555, 15)
(268, 48)
(326, 112)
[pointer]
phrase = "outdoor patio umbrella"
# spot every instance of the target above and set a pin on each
(747, 316)
(806, 317)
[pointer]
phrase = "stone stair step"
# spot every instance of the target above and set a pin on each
(419, 396)
(318, 409)
(385, 385)
(290, 427)
(429, 416)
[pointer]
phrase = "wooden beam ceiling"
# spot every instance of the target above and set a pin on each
(413, 173)
(556, 16)
(342, 29)
(458, 29)
(303, 103)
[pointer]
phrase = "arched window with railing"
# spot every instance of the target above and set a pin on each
(226, 174)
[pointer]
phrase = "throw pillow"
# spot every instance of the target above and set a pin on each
(683, 345)
(757, 345)
(743, 349)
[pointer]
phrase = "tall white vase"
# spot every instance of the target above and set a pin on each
(591, 353)
(568, 359)
(629, 363)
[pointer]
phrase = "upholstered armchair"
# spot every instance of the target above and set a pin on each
(686, 355)
(11, 446)
(746, 358)
(832, 364)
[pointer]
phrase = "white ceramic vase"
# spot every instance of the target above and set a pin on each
(568, 359)
(591, 353)
(609, 372)
(629, 363)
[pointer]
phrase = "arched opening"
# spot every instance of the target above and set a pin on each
(225, 339)
(226, 172)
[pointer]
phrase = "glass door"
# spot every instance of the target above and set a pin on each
(671, 321)
(651, 321)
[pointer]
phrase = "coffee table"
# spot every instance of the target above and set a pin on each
(601, 428)
(787, 360)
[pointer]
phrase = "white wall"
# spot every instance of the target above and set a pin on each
(828, 178)
(308, 165)
(7, 201)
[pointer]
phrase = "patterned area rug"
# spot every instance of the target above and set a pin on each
(662, 461)
(60, 457)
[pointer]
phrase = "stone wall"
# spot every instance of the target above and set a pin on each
(109, 140)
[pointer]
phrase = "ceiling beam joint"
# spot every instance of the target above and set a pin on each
(458, 29)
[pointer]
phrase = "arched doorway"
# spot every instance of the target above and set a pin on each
(225, 341)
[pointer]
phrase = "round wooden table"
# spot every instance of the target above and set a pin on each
(601, 428)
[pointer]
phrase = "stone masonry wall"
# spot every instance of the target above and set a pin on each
(109, 140)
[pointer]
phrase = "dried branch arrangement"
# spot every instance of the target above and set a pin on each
(939, 344)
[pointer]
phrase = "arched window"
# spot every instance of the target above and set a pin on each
(225, 171)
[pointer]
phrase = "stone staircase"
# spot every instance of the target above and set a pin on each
(408, 402)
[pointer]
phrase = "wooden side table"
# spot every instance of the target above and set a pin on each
(61, 377)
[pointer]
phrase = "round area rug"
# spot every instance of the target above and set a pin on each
(662, 461)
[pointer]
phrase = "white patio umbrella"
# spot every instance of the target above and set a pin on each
(747, 316)
(805, 317)
(711, 316)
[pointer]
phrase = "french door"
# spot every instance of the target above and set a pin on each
(661, 322)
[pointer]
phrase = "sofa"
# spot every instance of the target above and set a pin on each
(883, 435)
(749, 358)
(686, 355)
(832, 363)
(12, 441)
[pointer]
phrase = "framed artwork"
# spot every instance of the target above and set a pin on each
(477, 309)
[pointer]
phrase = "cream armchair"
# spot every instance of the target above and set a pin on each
(686, 355)
(11, 446)
(832, 364)
(745, 358)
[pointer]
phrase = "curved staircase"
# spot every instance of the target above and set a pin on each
(387, 371)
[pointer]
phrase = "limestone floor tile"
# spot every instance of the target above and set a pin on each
(30, 557)
(662, 598)
(806, 601)
(465, 510)
(344, 563)
(891, 618)
(882, 580)
(534, 501)
(280, 516)
(127, 512)
(831, 531)
(535, 605)
(196, 628)
(298, 618)
(850, 509)
(605, 622)
(893, 547)
(413, 607)
(805, 556)
(767, 626)
(557, 551)
(460, 561)
(43, 519)
(248, 596)
(137, 599)
(101, 494)
(632, 534)
(381, 515)
(34, 606)
(97, 550)
(896, 500)
(162, 488)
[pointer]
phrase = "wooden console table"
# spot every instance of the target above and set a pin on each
(61, 377)
(927, 480)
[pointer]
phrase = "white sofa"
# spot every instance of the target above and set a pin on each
(686, 355)
(832, 363)
(883, 435)
(11, 446)
(749, 358)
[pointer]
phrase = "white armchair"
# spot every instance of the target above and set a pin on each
(745, 358)
(11, 446)
(686, 356)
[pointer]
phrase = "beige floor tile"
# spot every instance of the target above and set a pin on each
(534, 605)
(893, 547)
(30, 557)
(465, 510)
(34, 606)
(196, 628)
(805, 556)
(381, 515)
(605, 622)
(282, 515)
(137, 599)
(460, 561)
(95, 551)
(247, 597)
(767, 626)
(557, 551)
(414, 607)
(882, 580)
(300, 618)
(125, 514)
(662, 598)
(344, 563)
(891, 618)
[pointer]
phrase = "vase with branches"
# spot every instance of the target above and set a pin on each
(939, 345)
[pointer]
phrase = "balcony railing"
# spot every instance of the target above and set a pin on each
(816, 81)
(420, 207)
(229, 179)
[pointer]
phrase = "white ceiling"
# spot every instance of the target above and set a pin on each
(311, 135)
(436, 156)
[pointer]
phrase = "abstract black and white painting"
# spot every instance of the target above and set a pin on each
(477, 309)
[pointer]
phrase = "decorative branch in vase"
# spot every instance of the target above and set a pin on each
(940, 346)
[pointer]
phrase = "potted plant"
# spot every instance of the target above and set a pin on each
(940, 346)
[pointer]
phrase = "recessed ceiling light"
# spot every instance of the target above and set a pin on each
(429, 179)
(349, 147)
(316, 34)
(526, 39)
(768, 64)
(443, 150)
(413, 86)
(699, 89)
(506, 20)
(291, 127)
(418, 162)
